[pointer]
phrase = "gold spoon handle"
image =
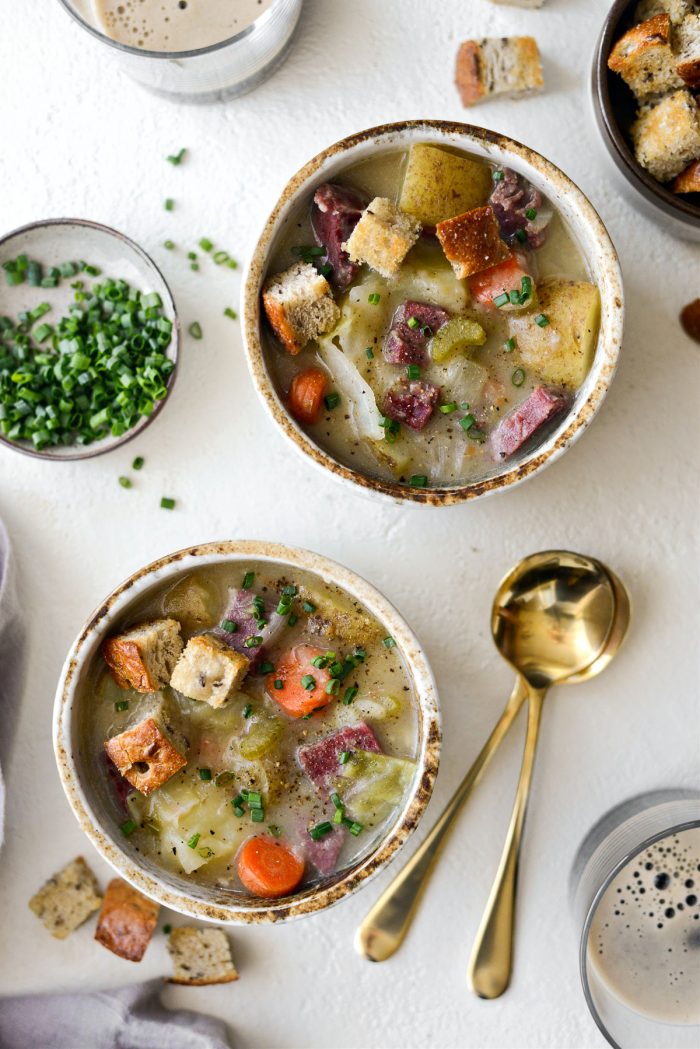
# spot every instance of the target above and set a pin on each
(383, 930)
(492, 958)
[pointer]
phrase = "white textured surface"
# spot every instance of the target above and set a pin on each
(78, 139)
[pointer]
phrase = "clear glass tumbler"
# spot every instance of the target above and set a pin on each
(635, 889)
(209, 74)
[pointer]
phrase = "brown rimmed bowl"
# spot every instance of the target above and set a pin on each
(614, 107)
(76, 763)
(583, 221)
(53, 241)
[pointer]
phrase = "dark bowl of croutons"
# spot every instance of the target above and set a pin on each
(646, 92)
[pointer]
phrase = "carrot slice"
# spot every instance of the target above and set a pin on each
(268, 868)
(289, 683)
(505, 277)
(306, 395)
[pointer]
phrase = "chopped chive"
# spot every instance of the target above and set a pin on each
(169, 244)
(177, 158)
(465, 406)
(374, 298)
(326, 269)
(192, 255)
(501, 300)
(229, 312)
(525, 288)
(194, 266)
(247, 710)
(360, 655)
(509, 345)
(521, 236)
(369, 353)
(253, 797)
(167, 929)
(497, 176)
(308, 606)
(138, 463)
(195, 330)
(257, 815)
(413, 371)
(350, 694)
(205, 852)
(229, 626)
(344, 757)
(122, 704)
(542, 320)
(413, 322)
(169, 204)
(531, 213)
(335, 798)
(290, 591)
(223, 778)
(447, 409)
(320, 662)
(167, 504)
(418, 481)
(253, 642)
(292, 619)
(338, 815)
(518, 377)
(205, 244)
(308, 682)
(331, 400)
(279, 684)
(267, 668)
(514, 296)
(274, 830)
(248, 580)
(354, 828)
(320, 830)
(125, 482)
(205, 775)
(128, 827)
(467, 422)
(333, 687)
(389, 642)
(284, 606)
(192, 843)
(238, 810)
(476, 434)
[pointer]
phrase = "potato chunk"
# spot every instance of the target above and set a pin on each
(562, 351)
(439, 185)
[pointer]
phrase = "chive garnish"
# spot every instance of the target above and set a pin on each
(229, 626)
(308, 606)
(447, 409)
(509, 345)
(333, 687)
(369, 353)
(350, 694)
(308, 682)
(167, 504)
(418, 481)
(320, 662)
(247, 710)
(253, 642)
(125, 482)
(331, 400)
(205, 775)
(195, 330)
(290, 591)
(542, 320)
(205, 852)
(531, 213)
(169, 204)
(228, 312)
(138, 463)
(354, 828)
(389, 642)
(518, 377)
(192, 843)
(279, 684)
(501, 300)
(374, 298)
(169, 244)
(521, 236)
(122, 704)
(320, 830)
(248, 580)
(293, 619)
(413, 322)
(344, 757)
(257, 815)
(167, 929)
(205, 244)
(177, 158)
(274, 830)
(467, 422)
(267, 668)
(127, 827)
(413, 371)
(497, 176)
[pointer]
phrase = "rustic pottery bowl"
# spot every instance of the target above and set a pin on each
(79, 772)
(585, 224)
(615, 108)
(53, 241)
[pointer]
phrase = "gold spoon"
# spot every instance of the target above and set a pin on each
(549, 610)
(383, 930)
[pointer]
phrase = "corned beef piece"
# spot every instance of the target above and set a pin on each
(524, 421)
(405, 343)
(320, 761)
(412, 403)
(335, 212)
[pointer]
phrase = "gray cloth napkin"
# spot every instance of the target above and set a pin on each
(12, 645)
(130, 1018)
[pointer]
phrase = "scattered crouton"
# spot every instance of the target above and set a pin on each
(126, 921)
(383, 237)
(201, 956)
(210, 671)
(498, 66)
(689, 179)
(690, 319)
(676, 9)
(299, 305)
(666, 135)
(645, 60)
(688, 67)
(144, 756)
(67, 899)
(472, 242)
(143, 658)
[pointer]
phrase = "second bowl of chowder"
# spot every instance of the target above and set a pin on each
(433, 311)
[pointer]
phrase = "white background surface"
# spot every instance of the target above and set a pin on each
(76, 138)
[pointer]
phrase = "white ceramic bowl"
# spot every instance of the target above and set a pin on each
(576, 209)
(81, 778)
(53, 241)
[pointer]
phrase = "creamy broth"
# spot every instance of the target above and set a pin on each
(487, 382)
(189, 825)
(644, 942)
(171, 25)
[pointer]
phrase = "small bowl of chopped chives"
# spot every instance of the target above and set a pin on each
(88, 339)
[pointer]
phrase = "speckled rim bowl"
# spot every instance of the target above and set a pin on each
(609, 95)
(52, 241)
(208, 902)
(586, 225)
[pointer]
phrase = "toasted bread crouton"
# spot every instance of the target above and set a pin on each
(383, 237)
(299, 305)
(201, 956)
(498, 66)
(472, 241)
(688, 67)
(675, 9)
(143, 658)
(126, 921)
(210, 671)
(689, 179)
(144, 756)
(644, 59)
(666, 135)
(67, 899)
